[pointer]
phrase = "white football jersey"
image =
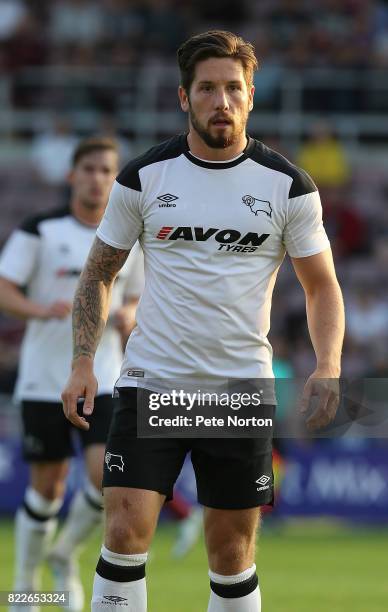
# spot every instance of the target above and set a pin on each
(46, 256)
(213, 235)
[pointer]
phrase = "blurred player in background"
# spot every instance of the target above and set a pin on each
(45, 256)
(215, 212)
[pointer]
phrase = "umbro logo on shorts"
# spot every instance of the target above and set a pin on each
(263, 480)
(112, 461)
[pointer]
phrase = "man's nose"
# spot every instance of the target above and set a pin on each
(98, 177)
(221, 101)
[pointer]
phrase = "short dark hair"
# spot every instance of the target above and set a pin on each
(215, 43)
(90, 145)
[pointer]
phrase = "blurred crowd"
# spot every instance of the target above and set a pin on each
(299, 33)
(287, 34)
(101, 37)
(354, 202)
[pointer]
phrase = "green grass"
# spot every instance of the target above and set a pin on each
(304, 567)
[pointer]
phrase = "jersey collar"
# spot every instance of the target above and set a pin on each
(217, 165)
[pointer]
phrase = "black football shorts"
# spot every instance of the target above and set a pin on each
(231, 473)
(48, 435)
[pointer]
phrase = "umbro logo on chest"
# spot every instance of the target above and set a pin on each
(167, 200)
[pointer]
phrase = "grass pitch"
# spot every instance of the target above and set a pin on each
(303, 567)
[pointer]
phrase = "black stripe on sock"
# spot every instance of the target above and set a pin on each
(91, 501)
(233, 591)
(35, 515)
(120, 573)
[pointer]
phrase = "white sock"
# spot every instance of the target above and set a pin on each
(120, 580)
(84, 514)
(34, 527)
(238, 593)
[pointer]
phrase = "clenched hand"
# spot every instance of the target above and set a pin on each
(81, 384)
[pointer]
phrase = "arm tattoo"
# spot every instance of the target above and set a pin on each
(92, 298)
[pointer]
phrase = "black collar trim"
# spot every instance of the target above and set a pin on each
(218, 165)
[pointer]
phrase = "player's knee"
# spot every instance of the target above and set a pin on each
(49, 479)
(127, 538)
(230, 556)
(51, 490)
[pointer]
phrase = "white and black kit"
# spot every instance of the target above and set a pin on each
(46, 256)
(213, 235)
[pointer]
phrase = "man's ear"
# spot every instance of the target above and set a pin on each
(251, 94)
(184, 99)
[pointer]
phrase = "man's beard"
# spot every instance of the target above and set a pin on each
(91, 204)
(222, 141)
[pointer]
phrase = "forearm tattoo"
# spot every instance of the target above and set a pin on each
(92, 298)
